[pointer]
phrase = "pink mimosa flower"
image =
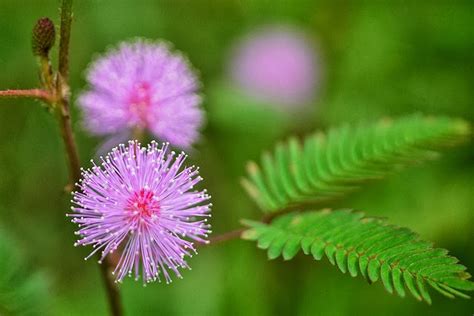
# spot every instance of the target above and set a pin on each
(141, 203)
(143, 85)
(277, 64)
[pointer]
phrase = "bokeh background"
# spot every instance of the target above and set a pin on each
(376, 59)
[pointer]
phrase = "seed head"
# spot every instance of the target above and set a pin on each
(43, 38)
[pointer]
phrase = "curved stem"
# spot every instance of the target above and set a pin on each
(64, 118)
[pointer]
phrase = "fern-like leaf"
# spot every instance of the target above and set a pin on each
(330, 166)
(365, 245)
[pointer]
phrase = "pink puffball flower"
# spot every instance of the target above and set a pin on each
(143, 85)
(140, 202)
(276, 64)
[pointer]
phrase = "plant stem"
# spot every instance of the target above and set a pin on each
(27, 93)
(113, 295)
(233, 234)
(46, 73)
(62, 90)
(65, 35)
(67, 134)
(64, 117)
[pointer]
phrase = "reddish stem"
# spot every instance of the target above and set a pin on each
(27, 93)
(237, 233)
(233, 234)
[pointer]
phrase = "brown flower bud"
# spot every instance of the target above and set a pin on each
(43, 38)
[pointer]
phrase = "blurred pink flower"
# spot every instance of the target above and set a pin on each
(143, 85)
(277, 64)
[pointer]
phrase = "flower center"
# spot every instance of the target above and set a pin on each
(143, 205)
(139, 103)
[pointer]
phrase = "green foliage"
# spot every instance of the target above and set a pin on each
(21, 292)
(365, 245)
(329, 166)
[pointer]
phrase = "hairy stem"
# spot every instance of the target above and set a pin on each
(27, 93)
(46, 73)
(64, 117)
(67, 134)
(62, 91)
(64, 35)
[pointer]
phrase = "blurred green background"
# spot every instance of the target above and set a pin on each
(380, 59)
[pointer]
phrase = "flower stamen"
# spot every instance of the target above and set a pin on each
(142, 205)
(139, 104)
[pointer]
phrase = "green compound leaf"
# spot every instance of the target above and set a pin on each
(367, 246)
(324, 167)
